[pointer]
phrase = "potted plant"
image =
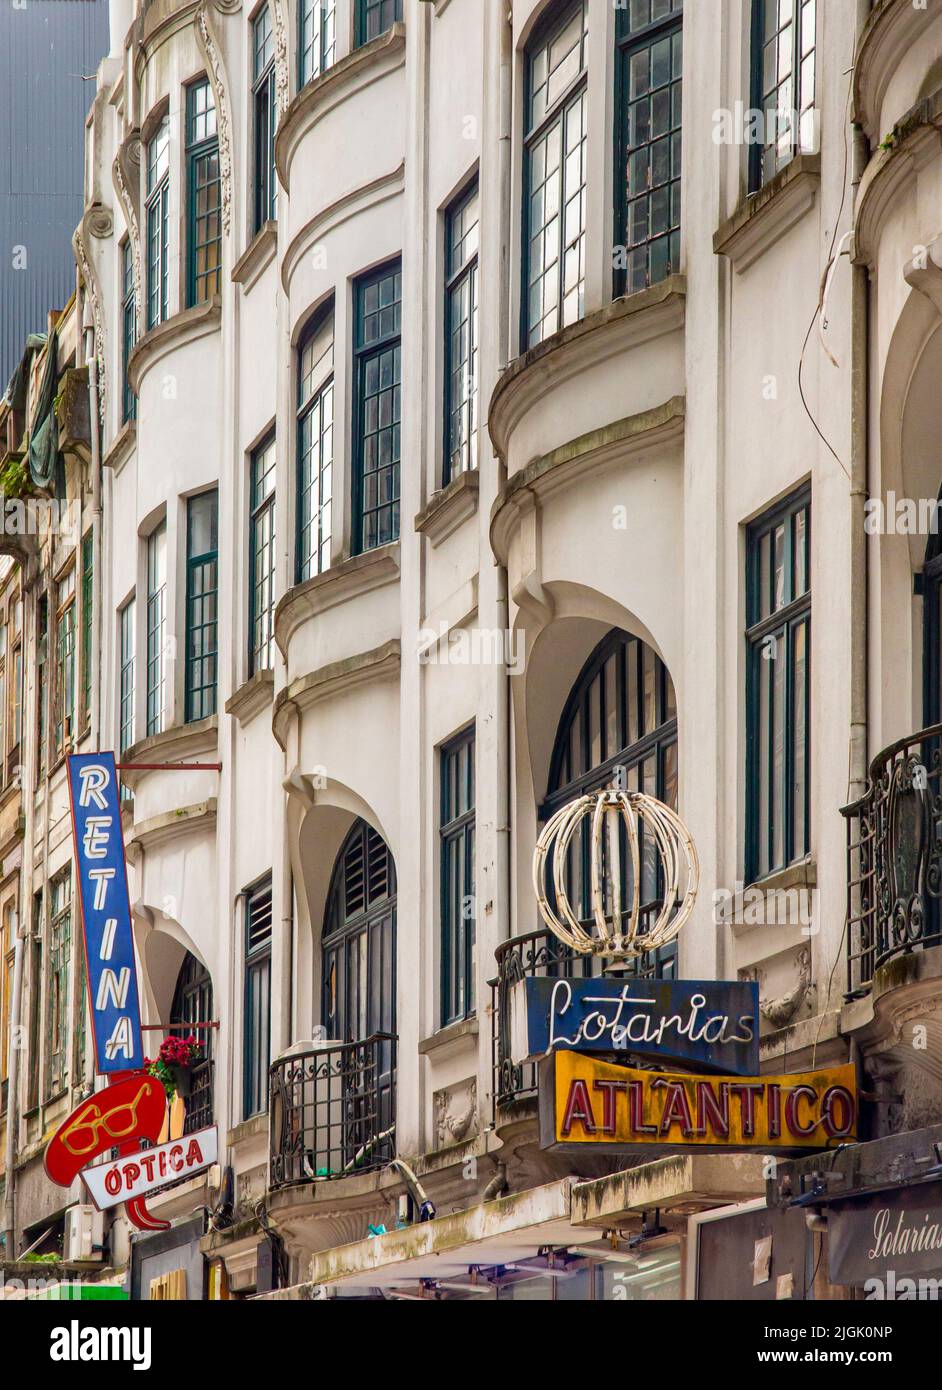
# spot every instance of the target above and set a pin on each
(172, 1066)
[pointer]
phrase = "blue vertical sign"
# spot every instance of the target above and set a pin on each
(106, 912)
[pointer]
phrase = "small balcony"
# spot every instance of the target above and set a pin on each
(332, 1109)
(894, 859)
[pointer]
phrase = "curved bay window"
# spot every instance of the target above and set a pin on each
(619, 728)
(192, 1004)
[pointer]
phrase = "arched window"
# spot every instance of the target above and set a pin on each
(619, 723)
(193, 1003)
(359, 945)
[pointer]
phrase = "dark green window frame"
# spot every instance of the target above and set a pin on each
(461, 334)
(315, 444)
(317, 38)
(34, 1057)
(42, 684)
(128, 329)
(783, 83)
(156, 684)
(204, 195)
(60, 953)
(378, 408)
(554, 199)
(619, 726)
(262, 557)
(64, 668)
(256, 1036)
(266, 116)
(778, 687)
(649, 94)
(127, 648)
(457, 868)
(158, 224)
(202, 595)
(88, 590)
(374, 17)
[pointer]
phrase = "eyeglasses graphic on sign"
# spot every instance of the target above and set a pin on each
(126, 1110)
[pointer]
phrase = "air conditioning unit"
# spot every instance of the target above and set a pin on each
(84, 1235)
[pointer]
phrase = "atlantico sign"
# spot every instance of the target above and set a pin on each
(588, 1103)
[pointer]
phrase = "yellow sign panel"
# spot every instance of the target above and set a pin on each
(586, 1101)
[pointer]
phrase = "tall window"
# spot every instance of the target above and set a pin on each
(263, 93)
(204, 230)
(128, 329)
(257, 1032)
(4, 645)
(262, 558)
(202, 582)
(461, 334)
(60, 951)
(359, 942)
(317, 37)
(555, 178)
(88, 552)
(378, 366)
(43, 665)
(64, 677)
(156, 628)
(35, 1001)
(457, 878)
(7, 959)
(158, 224)
(193, 1004)
(778, 637)
(127, 646)
(619, 725)
(647, 203)
(315, 447)
(783, 62)
(15, 688)
(374, 17)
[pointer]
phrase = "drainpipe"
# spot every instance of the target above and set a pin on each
(13, 1110)
(860, 404)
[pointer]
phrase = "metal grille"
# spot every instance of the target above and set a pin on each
(894, 858)
(333, 1111)
(193, 1003)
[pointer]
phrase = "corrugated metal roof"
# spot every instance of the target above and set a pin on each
(47, 49)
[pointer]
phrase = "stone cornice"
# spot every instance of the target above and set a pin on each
(121, 447)
(184, 327)
(181, 744)
(446, 509)
(252, 697)
(358, 575)
(365, 65)
(257, 256)
(893, 27)
(914, 139)
(170, 825)
(381, 664)
(588, 453)
(379, 190)
(620, 326)
(764, 218)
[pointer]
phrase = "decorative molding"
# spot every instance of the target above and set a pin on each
(338, 678)
(457, 1037)
(257, 257)
(449, 507)
(365, 65)
(252, 697)
(765, 217)
(95, 214)
(184, 327)
(181, 743)
(209, 47)
(456, 1113)
(121, 447)
(360, 574)
(915, 139)
(609, 333)
(170, 825)
(351, 204)
(780, 1012)
(281, 54)
(590, 452)
(893, 30)
(125, 175)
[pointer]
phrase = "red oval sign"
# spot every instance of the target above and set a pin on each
(127, 1110)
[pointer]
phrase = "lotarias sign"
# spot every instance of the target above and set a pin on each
(586, 1103)
(706, 1024)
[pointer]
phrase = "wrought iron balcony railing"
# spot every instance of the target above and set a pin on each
(894, 858)
(332, 1111)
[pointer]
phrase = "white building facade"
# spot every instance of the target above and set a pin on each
(490, 400)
